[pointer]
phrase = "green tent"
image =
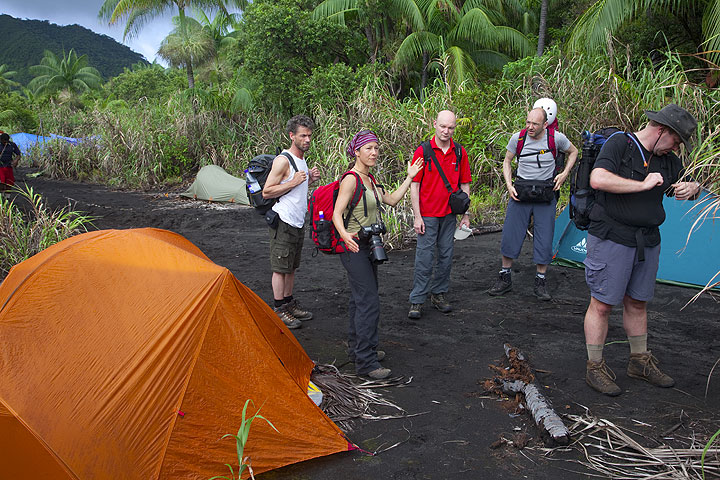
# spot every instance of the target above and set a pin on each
(216, 185)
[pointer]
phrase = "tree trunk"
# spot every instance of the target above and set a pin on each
(424, 75)
(372, 45)
(190, 75)
(543, 27)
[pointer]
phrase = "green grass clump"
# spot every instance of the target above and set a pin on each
(29, 230)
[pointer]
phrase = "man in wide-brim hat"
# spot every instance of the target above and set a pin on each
(630, 176)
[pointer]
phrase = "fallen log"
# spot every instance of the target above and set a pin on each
(542, 412)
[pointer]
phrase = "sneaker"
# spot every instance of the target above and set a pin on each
(380, 356)
(644, 367)
(439, 302)
(298, 312)
(287, 317)
(502, 286)
(415, 311)
(601, 378)
(540, 289)
(379, 373)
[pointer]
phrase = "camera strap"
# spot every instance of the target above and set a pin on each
(378, 204)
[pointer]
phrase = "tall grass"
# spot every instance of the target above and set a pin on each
(31, 227)
(164, 143)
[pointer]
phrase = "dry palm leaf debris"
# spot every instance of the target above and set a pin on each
(517, 378)
(346, 400)
(613, 453)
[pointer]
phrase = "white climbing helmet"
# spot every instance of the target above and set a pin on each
(550, 107)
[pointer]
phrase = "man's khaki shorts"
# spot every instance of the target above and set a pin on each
(285, 248)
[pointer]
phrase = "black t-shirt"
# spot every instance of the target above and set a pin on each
(640, 210)
(6, 153)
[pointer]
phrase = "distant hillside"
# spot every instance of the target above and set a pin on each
(22, 43)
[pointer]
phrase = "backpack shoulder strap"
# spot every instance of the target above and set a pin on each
(357, 194)
(427, 152)
(521, 142)
(458, 155)
(291, 159)
(551, 141)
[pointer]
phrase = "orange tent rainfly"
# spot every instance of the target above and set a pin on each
(129, 354)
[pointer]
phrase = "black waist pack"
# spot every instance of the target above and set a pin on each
(534, 191)
(272, 218)
(459, 202)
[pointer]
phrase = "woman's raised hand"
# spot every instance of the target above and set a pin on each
(415, 167)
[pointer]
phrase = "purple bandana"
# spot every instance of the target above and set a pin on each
(361, 138)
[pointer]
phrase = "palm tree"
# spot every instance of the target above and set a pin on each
(138, 12)
(70, 73)
(5, 75)
(542, 30)
(374, 21)
(463, 37)
(187, 45)
(605, 17)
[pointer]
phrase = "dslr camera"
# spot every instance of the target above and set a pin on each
(371, 235)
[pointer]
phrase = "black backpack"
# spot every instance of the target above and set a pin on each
(255, 177)
(582, 195)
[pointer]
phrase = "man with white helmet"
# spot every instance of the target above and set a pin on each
(533, 193)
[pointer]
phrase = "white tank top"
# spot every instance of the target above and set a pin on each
(293, 206)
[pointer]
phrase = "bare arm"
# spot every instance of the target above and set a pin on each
(560, 178)
(465, 219)
(393, 198)
(279, 171)
(418, 223)
(347, 188)
(507, 174)
(606, 181)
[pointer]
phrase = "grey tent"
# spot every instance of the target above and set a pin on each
(215, 184)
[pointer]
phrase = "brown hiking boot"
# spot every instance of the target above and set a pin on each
(644, 367)
(287, 317)
(440, 302)
(298, 312)
(601, 378)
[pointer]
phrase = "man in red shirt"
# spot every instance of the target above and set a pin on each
(434, 223)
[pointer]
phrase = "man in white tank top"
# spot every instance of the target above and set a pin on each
(290, 187)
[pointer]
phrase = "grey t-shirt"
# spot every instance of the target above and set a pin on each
(528, 167)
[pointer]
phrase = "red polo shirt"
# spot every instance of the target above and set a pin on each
(433, 194)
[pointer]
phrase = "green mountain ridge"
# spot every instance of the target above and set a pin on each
(23, 42)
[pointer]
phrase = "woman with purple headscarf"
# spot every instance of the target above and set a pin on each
(364, 307)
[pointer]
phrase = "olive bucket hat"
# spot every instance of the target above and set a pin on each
(678, 119)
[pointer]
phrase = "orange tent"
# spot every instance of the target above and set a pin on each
(129, 354)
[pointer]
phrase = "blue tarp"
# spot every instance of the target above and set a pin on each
(689, 261)
(25, 141)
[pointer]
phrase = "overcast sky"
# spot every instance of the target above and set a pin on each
(85, 13)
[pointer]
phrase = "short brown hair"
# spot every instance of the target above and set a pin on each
(299, 121)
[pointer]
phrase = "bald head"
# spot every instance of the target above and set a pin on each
(536, 123)
(444, 128)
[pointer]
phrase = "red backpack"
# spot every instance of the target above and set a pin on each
(558, 156)
(321, 206)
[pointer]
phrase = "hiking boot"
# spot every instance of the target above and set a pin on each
(415, 311)
(502, 286)
(540, 289)
(287, 317)
(379, 373)
(439, 302)
(298, 312)
(644, 367)
(601, 378)
(380, 356)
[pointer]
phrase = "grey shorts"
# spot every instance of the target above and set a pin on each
(612, 271)
(285, 247)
